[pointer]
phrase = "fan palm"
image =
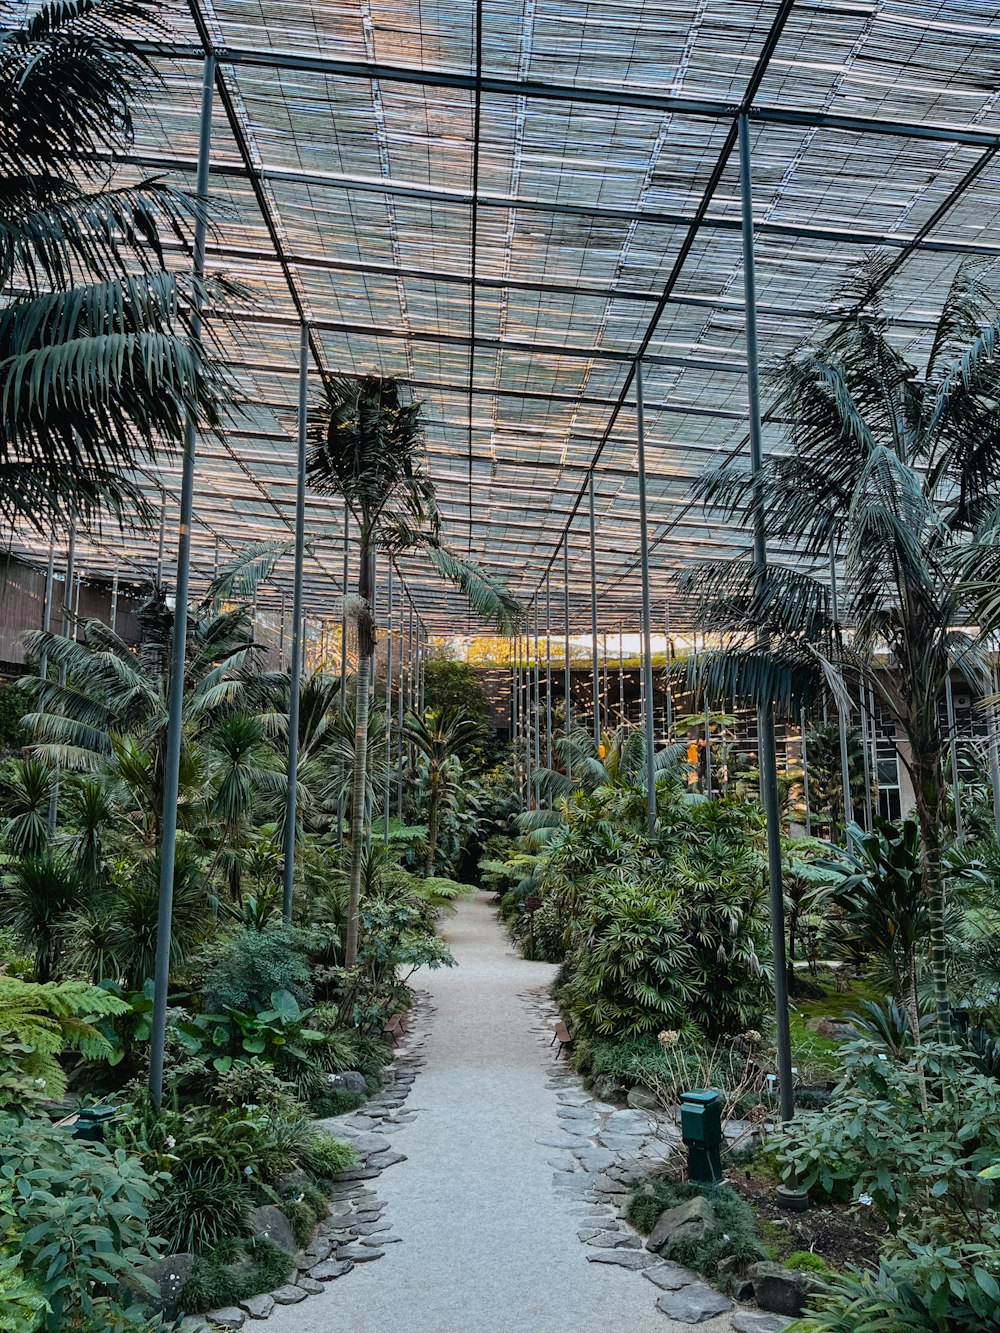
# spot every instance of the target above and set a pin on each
(99, 360)
(366, 446)
(894, 473)
(438, 737)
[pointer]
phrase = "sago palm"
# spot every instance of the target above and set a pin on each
(367, 446)
(98, 359)
(893, 471)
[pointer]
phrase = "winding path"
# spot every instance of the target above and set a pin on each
(488, 1245)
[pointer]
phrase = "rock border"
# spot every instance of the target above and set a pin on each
(601, 1151)
(355, 1230)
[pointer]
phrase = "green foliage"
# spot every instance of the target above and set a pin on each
(233, 1271)
(659, 931)
(246, 968)
(81, 1217)
(204, 1204)
(13, 706)
(22, 1305)
(805, 1261)
(38, 1022)
(726, 1251)
(910, 1135)
(41, 894)
(457, 687)
(326, 1156)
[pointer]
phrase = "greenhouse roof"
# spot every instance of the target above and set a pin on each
(506, 204)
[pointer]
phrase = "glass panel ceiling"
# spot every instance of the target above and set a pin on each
(507, 223)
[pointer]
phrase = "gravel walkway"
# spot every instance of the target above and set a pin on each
(487, 1244)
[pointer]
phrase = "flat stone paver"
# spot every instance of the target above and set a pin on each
(488, 1244)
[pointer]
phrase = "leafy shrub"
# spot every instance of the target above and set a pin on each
(326, 1156)
(910, 1135)
(254, 1082)
(805, 1261)
(233, 1271)
(245, 970)
(81, 1216)
(721, 1255)
(204, 1204)
(22, 1305)
(38, 1022)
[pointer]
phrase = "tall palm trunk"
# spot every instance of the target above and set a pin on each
(929, 786)
(366, 649)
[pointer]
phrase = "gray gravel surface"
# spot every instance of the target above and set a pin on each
(487, 1246)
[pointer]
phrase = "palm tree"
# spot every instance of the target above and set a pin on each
(98, 358)
(439, 736)
(366, 446)
(894, 473)
(244, 773)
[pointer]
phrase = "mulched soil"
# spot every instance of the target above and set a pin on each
(840, 1233)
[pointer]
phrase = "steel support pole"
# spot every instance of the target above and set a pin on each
(621, 678)
(281, 633)
(161, 538)
(295, 675)
(708, 749)
(842, 711)
(50, 571)
(399, 721)
(526, 687)
(388, 701)
(765, 717)
(567, 673)
(647, 638)
(669, 682)
(64, 628)
(548, 676)
(175, 707)
(114, 599)
(956, 786)
(593, 612)
(537, 702)
(805, 770)
(994, 725)
(865, 760)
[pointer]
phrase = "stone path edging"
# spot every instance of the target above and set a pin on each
(602, 1151)
(354, 1230)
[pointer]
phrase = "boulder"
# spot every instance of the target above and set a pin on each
(693, 1304)
(641, 1099)
(349, 1081)
(169, 1273)
(782, 1290)
(269, 1223)
(688, 1221)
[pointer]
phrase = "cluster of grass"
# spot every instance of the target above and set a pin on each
(233, 1271)
(721, 1256)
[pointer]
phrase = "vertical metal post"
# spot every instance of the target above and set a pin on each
(621, 677)
(172, 762)
(805, 770)
(281, 633)
(548, 676)
(842, 710)
(593, 612)
(343, 610)
(956, 786)
(50, 569)
(865, 756)
(160, 540)
(669, 660)
(526, 714)
(994, 725)
(67, 607)
(708, 750)
(567, 674)
(114, 599)
(399, 722)
(647, 642)
(295, 675)
(537, 700)
(765, 718)
(388, 700)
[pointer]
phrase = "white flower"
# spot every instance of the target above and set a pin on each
(865, 1200)
(170, 1141)
(39, 1083)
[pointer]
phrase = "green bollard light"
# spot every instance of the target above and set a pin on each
(701, 1130)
